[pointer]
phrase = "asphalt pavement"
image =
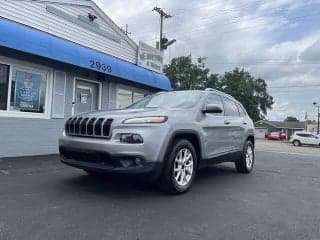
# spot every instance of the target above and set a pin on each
(42, 199)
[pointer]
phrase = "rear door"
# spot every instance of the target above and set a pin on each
(312, 139)
(214, 127)
(235, 124)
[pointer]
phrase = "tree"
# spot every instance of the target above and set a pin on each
(186, 75)
(251, 92)
(291, 119)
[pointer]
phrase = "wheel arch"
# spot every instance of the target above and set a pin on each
(191, 136)
(251, 138)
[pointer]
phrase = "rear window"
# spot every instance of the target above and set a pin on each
(230, 108)
(242, 112)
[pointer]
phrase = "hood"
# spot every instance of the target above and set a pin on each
(124, 113)
(131, 113)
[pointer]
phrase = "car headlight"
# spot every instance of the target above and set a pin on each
(141, 120)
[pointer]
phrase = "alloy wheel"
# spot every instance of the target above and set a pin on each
(183, 167)
(249, 157)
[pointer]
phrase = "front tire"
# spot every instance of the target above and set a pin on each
(246, 162)
(296, 143)
(180, 168)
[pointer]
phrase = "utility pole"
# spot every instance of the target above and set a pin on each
(126, 31)
(318, 106)
(163, 42)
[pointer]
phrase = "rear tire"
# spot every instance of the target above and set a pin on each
(246, 162)
(180, 168)
(296, 143)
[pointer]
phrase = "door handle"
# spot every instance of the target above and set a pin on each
(244, 123)
(226, 122)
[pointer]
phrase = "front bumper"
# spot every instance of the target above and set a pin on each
(105, 162)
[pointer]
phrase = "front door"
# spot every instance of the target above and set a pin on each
(217, 142)
(86, 96)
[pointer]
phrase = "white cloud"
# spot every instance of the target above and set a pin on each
(238, 33)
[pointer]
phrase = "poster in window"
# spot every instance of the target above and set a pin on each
(28, 91)
(84, 98)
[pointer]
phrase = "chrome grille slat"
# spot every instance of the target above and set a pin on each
(98, 127)
(77, 126)
(88, 127)
(84, 126)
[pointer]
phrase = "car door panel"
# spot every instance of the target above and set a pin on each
(217, 135)
(236, 124)
(215, 128)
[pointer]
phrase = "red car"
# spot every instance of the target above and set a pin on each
(276, 136)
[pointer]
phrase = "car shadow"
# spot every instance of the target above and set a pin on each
(129, 186)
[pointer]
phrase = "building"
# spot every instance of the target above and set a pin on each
(312, 127)
(59, 58)
(264, 127)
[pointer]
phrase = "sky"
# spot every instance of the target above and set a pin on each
(278, 41)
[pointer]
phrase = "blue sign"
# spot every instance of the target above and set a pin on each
(28, 91)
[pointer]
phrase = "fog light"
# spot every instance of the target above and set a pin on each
(131, 138)
(126, 163)
(138, 161)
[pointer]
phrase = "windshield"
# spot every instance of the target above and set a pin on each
(181, 99)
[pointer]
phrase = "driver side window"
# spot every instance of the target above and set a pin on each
(215, 100)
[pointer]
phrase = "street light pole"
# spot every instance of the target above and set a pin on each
(318, 106)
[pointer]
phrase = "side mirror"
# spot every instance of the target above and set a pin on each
(211, 108)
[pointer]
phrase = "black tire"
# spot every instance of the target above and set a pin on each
(296, 143)
(167, 181)
(241, 164)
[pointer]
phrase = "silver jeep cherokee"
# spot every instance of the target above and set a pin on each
(165, 137)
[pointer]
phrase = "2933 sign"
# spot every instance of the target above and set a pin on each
(100, 66)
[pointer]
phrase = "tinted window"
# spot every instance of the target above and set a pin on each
(241, 110)
(305, 135)
(214, 99)
(230, 107)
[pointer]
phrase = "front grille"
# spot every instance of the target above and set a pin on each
(99, 158)
(88, 127)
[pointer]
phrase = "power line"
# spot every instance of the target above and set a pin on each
(295, 86)
(177, 24)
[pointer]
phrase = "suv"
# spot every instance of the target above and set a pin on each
(304, 138)
(165, 137)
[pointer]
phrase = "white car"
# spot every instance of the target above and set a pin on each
(304, 138)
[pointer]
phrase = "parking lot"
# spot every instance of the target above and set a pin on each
(43, 199)
(287, 148)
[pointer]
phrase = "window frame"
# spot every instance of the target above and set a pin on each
(9, 87)
(20, 66)
(222, 103)
(73, 110)
(128, 88)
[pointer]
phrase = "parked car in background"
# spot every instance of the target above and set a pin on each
(276, 136)
(304, 138)
(166, 137)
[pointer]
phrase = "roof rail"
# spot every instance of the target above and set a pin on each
(217, 91)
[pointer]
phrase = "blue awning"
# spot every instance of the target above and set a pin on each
(21, 38)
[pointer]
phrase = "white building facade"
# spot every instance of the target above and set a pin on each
(60, 58)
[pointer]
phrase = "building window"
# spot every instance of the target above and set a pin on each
(4, 86)
(25, 89)
(137, 96)
(125, 97)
